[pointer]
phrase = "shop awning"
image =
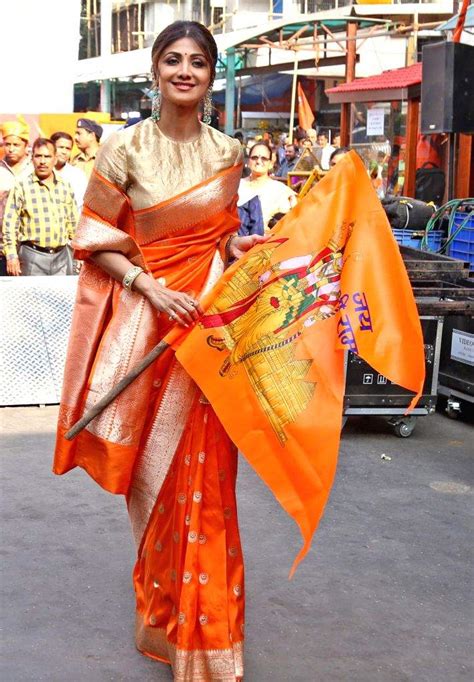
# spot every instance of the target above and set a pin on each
(258, 90)
(393, 84)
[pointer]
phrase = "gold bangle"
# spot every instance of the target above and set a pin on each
(130, 276)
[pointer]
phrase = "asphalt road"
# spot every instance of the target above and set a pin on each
(385, 594)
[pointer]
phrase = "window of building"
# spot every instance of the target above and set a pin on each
(202, 12)
(128, 21)
(311, 6)
(89, 44)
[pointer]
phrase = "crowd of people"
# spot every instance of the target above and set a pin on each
(268, 189)
(42, 189)
(41, 196)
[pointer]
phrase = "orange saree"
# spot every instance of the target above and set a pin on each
(160, 443)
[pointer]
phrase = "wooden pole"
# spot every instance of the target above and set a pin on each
(158, 350)
(89, 27)
(351, 51)
(410, 147)
(464, 178)
(293, 99)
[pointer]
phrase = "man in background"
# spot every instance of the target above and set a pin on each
(326, 150)
(311, 134)
(40, 215)
(63, 143)
(15, 165)
(289, 162)
(87, 139)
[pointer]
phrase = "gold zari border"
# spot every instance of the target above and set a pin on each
(198, 665)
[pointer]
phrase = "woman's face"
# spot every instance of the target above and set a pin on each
(260, 160)
(183, 73)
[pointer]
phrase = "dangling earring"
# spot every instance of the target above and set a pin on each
(207, 109)
(156, 104)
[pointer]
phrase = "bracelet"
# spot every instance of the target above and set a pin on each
(130, 276)
(227, 247)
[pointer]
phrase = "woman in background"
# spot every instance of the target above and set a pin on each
(274, 196)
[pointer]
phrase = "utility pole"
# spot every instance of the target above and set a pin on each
(230, 91)
(105, 50)
(351, 50)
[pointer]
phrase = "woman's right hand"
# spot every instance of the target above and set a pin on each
(177, 305)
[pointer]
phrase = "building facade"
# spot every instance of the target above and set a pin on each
(113, 65)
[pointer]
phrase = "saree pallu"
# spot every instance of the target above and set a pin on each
(160, 443)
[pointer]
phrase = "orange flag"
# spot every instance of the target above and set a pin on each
(268, 351)
(305, 115)
(460, 22)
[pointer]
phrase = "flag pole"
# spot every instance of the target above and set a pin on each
(115, 391)
(293, 98)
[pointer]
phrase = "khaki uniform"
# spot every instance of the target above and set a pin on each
(85, 163)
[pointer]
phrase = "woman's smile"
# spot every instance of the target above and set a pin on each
(184, 87)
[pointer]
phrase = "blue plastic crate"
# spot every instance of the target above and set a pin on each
(462, 246)
(413, 238)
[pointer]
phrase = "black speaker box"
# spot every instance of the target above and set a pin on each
(447, 88)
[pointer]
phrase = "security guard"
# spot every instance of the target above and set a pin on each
(87, 139)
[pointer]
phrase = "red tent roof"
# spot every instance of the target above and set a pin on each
(387, 80)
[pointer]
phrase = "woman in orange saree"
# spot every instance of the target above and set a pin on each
(162, 197)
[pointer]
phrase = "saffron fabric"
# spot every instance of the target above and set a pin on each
(160, 443)
(39, 212)
(268, 352)
(20, 128)
(263, 368)
(305, 114)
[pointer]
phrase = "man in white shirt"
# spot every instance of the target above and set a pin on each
(76, 178)
(326, 150)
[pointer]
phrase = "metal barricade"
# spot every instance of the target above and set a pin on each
(35, 314)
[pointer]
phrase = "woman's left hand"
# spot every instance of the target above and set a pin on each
(240, 245)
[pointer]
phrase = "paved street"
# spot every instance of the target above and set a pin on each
(385, 595)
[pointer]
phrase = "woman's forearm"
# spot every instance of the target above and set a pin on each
(117, 265)
(178, 306)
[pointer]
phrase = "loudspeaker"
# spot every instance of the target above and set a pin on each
(447, 88)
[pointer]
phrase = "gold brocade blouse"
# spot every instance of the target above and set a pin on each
(150, 167)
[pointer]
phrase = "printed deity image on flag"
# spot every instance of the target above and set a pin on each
(263, 311)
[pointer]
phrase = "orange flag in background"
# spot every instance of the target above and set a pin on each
(268, 352)
(305, 115)
(460, 22)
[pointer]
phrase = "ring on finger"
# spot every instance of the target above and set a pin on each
(172, 316)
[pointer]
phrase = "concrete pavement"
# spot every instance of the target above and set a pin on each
(385, 594)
